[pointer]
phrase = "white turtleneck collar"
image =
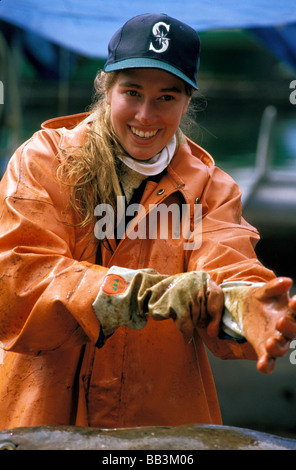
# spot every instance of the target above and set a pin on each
(154, 165)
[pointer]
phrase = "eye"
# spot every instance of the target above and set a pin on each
(132, 93)
(167, 98)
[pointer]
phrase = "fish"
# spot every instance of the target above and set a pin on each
(186, 437)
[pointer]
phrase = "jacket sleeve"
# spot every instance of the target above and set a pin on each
(227, 248)
(46, 293)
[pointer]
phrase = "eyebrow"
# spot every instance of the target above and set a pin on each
(127, 84)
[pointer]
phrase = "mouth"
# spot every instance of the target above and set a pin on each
(142, 134)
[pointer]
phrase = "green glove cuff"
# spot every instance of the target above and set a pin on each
(117, 301)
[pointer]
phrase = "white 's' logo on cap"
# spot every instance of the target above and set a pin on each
(160, 31)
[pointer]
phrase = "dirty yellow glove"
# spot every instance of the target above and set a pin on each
(117, 303)
(265, 315)
(235, 295)
(191, 299)
(127, 296)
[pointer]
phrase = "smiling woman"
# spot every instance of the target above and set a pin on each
(146, 110)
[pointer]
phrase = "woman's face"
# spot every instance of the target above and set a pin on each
(146, 109)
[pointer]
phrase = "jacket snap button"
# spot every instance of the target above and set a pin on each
(160, 191)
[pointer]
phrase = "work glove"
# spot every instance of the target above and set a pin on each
(235, 295)
(127, 296)
(191, 299)
(264, 314)
(117, 303)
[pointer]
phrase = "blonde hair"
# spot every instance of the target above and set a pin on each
(91, 170)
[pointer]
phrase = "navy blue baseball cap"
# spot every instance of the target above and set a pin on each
(156, 41)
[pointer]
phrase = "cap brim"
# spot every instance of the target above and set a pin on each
(149, 63)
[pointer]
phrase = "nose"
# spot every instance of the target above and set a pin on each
(146, 112)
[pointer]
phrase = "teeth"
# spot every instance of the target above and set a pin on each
(142, 134)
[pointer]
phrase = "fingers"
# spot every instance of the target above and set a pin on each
(286, 325)
(186, 327)
(207, 309)
(277, 346)
(274, 288)
(265, 361)
(265, 364)
(205, 312)
(215, 305)
(292, 304)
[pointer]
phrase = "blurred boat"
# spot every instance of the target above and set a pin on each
(269, 201)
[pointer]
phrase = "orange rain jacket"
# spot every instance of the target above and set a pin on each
(52, 373)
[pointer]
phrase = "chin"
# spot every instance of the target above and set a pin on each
(141, 156)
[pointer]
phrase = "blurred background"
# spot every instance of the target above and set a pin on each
(246, 119)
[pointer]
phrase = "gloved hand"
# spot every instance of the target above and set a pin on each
(117, 303)
(126, 297)
(264, 314)
(191, 299)
(235, 294)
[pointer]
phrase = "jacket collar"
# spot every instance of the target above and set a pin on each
(71, 134)
(179, 175)
(189, 164)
